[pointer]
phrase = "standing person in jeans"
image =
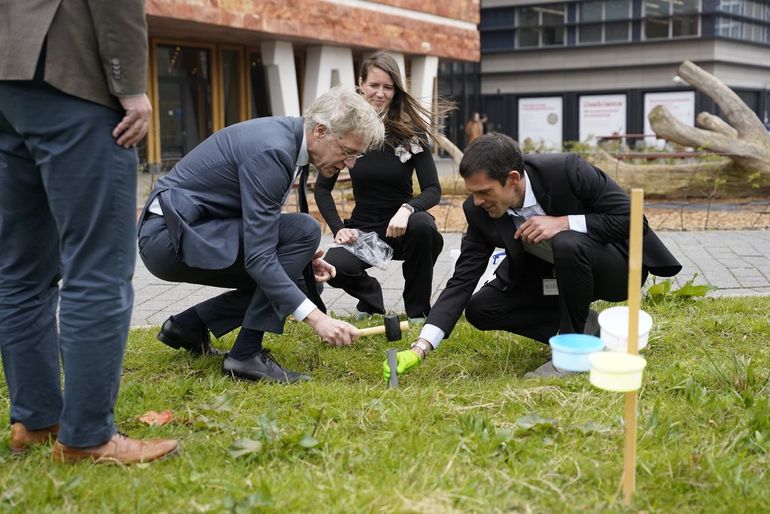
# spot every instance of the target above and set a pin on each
(72, 107)
(385, 202)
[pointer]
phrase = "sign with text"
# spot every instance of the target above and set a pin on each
(540, 122)
(601, 115)
(681, 104)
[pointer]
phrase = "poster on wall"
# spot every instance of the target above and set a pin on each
(681, 104)
(540, 123)
(601, 115)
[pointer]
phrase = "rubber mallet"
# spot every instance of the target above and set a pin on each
(392, 329)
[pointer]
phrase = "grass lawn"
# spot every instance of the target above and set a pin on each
(465, 433)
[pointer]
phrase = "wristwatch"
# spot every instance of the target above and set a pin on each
(408, 207)
(424, 346)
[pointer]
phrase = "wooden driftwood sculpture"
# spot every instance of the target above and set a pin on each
(740, 165)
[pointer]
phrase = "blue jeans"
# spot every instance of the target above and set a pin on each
(67, 211)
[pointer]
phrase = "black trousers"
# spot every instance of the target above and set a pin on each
(419, 248)
(246, 305)
(585, 269)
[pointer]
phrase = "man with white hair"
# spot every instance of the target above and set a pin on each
(216, 220)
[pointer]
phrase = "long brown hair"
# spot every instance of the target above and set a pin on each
(405, 117)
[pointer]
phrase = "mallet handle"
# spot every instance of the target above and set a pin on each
(380, 329)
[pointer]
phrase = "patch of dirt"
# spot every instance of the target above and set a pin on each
(671, 215)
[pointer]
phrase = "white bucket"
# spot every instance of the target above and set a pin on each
(619, 372)
(614, 328)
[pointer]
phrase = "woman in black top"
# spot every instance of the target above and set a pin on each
(382, 186)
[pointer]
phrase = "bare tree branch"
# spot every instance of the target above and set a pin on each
(737, 113)
(714, 123)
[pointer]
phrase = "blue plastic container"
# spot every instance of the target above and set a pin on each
(570, 352)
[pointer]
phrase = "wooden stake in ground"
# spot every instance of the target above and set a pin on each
(634, 303)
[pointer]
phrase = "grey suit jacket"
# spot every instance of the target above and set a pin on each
(96, 50)
(228, 189)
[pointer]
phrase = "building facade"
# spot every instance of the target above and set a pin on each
(559, 71)
(217, 62)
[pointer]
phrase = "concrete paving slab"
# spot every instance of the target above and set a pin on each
(735, 262)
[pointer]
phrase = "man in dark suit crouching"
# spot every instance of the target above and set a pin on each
(216, 220)
(564, 226)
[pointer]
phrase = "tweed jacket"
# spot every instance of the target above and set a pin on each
(96, 49)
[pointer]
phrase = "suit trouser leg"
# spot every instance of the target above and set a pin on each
(355, 281)
(418, 248)
(522, 310)
(89, 183)
(247, 306)
(587, 270)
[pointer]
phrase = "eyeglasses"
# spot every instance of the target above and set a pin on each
(350, 155)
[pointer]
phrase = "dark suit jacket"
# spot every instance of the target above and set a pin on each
(563, 184)
(229, 189)
(97, 49)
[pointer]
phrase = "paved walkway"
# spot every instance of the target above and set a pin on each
(735, 262)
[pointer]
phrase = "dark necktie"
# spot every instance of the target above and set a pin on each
(541, 250)
(310, 286)
(304, 171)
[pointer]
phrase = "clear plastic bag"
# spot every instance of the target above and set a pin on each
(370, 249)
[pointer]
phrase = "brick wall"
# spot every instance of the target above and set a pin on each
(319, 21)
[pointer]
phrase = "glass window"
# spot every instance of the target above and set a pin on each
(656, 8)
(685, 6)
(591, 11)
(728, 27)
(540, 25)
(684, 26)
(528, 17)
(553, 36)
(497, 40)
(493, 18)
(528, 37)
(260, 93)
(655, 28)
(671, 18)
(733, 6)
(184, 99)
(591, 14)
(618, 31)
(552, 15)
(231, 85)
(590, 34)
(617, 9)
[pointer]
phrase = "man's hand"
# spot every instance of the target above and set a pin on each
(397, 224)
(346, 236)
(135, 123)
(407, 361)
(541, 228)
(322, 270)
(331, 331)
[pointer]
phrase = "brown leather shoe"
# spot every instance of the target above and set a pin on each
(120, 449)
(22, 438)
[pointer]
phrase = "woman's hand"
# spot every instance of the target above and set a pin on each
(397, 225)
(346, 236)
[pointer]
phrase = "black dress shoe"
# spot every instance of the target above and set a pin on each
(261, 367)
(195, 342)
